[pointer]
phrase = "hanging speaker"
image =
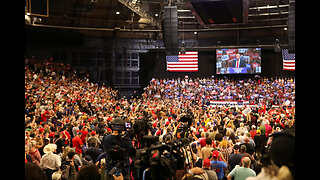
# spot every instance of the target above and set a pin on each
(291, 27)
(169, 26)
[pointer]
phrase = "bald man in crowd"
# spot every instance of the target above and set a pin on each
(242, 172)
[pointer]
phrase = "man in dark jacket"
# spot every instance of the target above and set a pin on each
(238, 62)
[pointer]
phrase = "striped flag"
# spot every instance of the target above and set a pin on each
(187, 62)
(288, 60)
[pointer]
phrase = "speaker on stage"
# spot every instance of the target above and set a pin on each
(169, 26)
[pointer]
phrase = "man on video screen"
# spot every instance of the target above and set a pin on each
(238, 62)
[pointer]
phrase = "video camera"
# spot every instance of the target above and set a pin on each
(119, 125)
(186, 121)
(118, 155)
(184, 127)
(170, 158)
(141, 127)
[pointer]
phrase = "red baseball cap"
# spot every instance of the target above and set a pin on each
(206, 162)
(158, 133)
(41, 130)
(154, 124)
(215, 154)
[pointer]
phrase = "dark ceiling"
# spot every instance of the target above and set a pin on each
(267, 19)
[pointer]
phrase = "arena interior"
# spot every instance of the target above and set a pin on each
(159, 89)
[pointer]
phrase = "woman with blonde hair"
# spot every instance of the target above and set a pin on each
(223, 148)
(65, 152)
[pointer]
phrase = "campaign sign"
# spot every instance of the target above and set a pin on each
(238, 70)
(229, 103)
(246, 111)
(224, 57)
(219, 65)
(242, 50)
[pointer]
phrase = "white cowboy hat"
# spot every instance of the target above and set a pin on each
(49, 148)
(56, 175)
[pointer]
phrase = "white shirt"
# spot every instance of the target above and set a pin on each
(50, 161)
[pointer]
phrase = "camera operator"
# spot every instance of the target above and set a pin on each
(184, 125)
(120, 145)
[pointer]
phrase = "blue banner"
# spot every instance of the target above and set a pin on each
(237, 70)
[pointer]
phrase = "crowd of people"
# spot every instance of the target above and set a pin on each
(68, 132)
(271, 91)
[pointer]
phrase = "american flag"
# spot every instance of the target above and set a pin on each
(288, 60)
(187, 62)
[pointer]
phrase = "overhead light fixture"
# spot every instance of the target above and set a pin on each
(195, 32)
(156, 15)
(285, 28)
(117, 12)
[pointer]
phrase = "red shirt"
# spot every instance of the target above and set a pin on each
(64, 136)
(45, 115)
(83, 136)
(202, 142)
(253, 133)
(76, 142)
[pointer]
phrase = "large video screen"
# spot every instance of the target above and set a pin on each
(238, 61)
